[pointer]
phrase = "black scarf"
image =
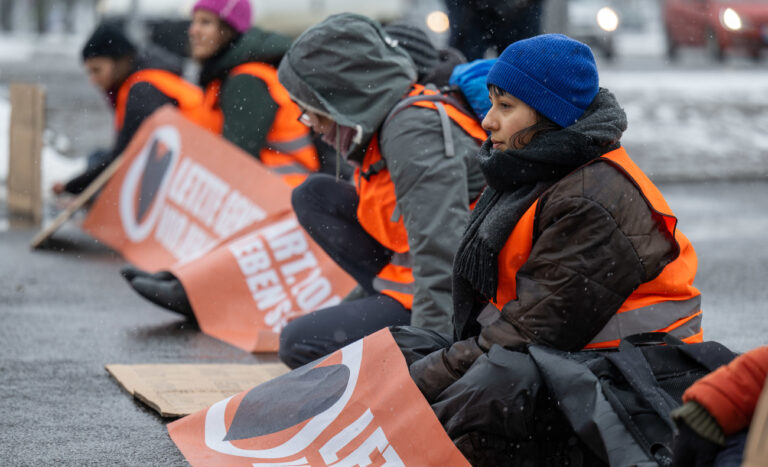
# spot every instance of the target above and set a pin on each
(211, 68)
(516, 178)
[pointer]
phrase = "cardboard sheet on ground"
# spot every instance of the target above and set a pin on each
(187, 201)
(358, 406)
(176, 390)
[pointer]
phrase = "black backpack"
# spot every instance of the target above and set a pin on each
(618, 401)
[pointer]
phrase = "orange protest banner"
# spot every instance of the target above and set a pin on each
(180, 192)
(358, 406)
(245, 291)
(187, 201)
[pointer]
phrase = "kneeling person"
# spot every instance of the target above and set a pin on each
(397, 228)
(135, 84)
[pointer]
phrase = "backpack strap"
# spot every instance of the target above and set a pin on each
(439, 100)
(710, 355)
(375, 168)
(647, 338)
(632, 364)
(408, 101)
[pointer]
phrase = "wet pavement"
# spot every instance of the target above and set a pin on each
(66, 312)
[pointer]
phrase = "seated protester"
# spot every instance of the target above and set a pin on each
(432, 65)
(244, 101)
(246, 104)
(136, 84)
(395, 230)
(571, 246)
(717, 412)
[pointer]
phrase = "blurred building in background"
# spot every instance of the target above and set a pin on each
(47, 16)
(164, 22)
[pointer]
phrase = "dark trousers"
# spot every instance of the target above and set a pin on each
(477, 26)
(327, 210)
(321, 332)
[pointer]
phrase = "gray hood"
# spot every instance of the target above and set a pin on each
(348, 68)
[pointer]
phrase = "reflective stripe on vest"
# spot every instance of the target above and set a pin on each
(377, 210)
(289, 141)
(187, 96)
(668, 303)
(289, 149)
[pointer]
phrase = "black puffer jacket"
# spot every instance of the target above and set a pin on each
(143, 99)
(596, 239)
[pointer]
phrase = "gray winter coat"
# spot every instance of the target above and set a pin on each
(348, 68)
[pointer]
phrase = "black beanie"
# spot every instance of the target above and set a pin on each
(416, 42)
(108, 41)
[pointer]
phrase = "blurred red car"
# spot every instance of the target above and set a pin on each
(719, 25)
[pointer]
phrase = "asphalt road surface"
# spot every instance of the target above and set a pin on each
(66, 312)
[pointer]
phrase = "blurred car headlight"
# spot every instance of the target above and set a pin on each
(607, 19)
(438, 22)
(731, 20)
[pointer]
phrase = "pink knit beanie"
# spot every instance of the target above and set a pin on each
(236, 13)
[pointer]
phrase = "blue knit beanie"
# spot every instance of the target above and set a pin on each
(552, 73)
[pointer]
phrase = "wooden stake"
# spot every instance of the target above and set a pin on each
(25, 198)
(77, 203)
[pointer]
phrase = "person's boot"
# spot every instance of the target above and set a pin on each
(131, 272)
(167, 293)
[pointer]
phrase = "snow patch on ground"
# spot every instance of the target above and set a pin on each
(694, 124)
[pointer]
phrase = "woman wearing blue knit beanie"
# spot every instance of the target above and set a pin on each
(570, 247)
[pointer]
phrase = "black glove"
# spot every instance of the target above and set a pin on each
(690, 449)
(167, 293)
(438, 370)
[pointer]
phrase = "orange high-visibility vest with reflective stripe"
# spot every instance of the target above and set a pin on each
(188, 96)
(289, 149)
(377, 208)
(208, 114)
(668, 303)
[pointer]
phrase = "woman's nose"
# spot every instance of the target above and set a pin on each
(488, 123)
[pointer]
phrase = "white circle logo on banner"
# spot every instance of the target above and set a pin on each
(145, 185)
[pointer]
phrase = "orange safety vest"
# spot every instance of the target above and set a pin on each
(188, 96)
(377, 209)
(668, 303)
(289, 150)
